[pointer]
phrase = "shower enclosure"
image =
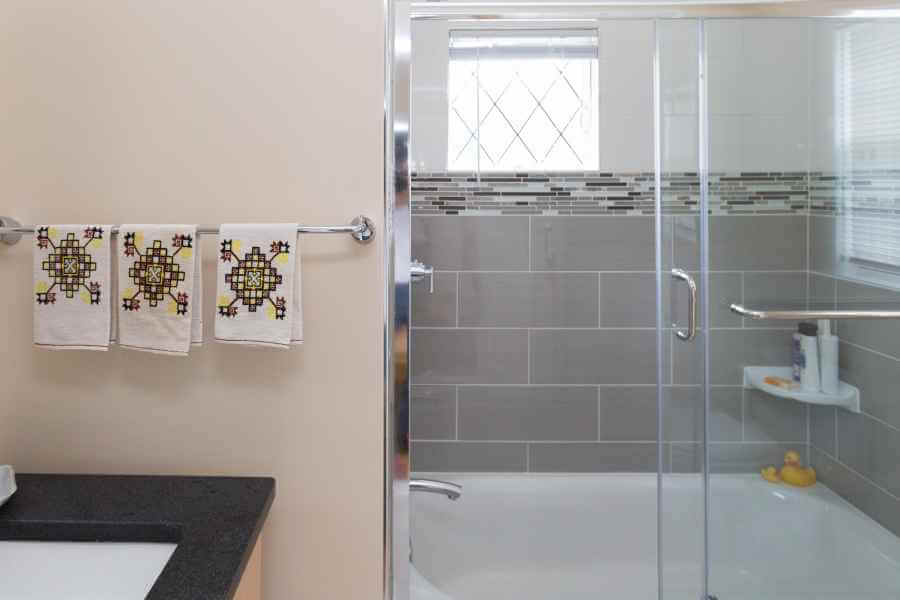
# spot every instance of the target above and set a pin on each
(603, 218)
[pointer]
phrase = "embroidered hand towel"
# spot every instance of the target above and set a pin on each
(256, 287)
(158, 287)
(72, 287)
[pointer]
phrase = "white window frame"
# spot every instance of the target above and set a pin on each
(467, 44)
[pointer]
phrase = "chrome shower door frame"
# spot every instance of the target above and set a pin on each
(398, 16)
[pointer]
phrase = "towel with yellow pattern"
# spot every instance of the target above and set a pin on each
(72, 287)
(258, 285)
(159, 288)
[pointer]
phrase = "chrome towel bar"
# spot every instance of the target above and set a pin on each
(812, 315)
(361, 228)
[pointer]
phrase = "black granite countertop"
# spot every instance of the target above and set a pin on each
(214, 520)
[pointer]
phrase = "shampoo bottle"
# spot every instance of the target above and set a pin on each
(828, 358)
(805, 357)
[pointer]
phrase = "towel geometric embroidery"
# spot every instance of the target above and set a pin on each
(156, 274)
(69, 265)
(254, 280)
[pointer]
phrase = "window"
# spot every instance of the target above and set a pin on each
(868, 141)
(523, 100)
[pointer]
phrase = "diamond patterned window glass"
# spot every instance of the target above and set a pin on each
(523, 100)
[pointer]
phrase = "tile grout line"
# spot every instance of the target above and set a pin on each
(528, 356)
(618, 272)
(743, 415)
(530, 249)
(808, 240)
(456, 397)
(743, 297)
(873, 351)
(586, 385)
(808, 414)
(609, 328)
(837, 439)
(457, 298)
(610, 442)
(527, 457)
(862, 476)
(880, 421)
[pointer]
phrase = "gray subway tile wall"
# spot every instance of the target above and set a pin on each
(729, 351)
(528, 299)
(592, 243)
(437, 309)
(878, 378)
(735, 457)
(879, 504)
(770, 419)
(457, 356)
(744, 243)
(524, 413)
(870, 447)
(627, 413)
(537, 351)
(479, 244)
(475, 457)
(881, 336)
(823, 239)
(856, 454)
(595, 457)
(433, 411)
(593, 356)
(627, 299)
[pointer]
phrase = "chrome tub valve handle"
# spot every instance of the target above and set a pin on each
(418, 270)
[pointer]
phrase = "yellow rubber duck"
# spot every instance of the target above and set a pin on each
(792, 473)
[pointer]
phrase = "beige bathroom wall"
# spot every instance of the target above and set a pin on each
(208, 111)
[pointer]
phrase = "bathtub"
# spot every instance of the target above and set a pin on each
(535, 537)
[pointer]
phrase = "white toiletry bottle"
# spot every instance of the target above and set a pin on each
(828, 357)
(798, 360)
(805, 357)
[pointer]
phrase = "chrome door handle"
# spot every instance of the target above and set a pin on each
(691, 333)
(417, 271)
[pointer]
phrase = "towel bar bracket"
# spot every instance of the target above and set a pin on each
(11, 237)
(365, 229)
(362, 229)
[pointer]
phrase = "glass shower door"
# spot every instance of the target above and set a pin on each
(682, 328)
(543, 352)
(804, 134)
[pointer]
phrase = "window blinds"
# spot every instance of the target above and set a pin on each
(868, 138)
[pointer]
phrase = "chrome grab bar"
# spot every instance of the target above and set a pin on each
(812, 315)
(433, 486)
(691, 333)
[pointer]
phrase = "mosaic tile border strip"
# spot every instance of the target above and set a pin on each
(603, 193)
(875, 192)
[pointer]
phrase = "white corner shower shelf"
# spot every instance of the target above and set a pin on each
(847, 396)
(7, 483)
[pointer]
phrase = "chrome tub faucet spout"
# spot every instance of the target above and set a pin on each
(433, 486)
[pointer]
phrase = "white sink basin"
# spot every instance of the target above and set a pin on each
(80, 570)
